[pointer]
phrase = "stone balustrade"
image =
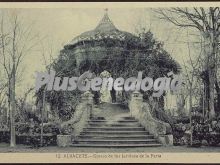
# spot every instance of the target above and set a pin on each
(80, 119)
(141, 111)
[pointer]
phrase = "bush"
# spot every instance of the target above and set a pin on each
(4, 136)
(52, 128)
(178, 134)
(22, 128)
(29, 133)
(66, 129)
(183, 119)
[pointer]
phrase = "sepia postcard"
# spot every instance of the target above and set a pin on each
(107, 82)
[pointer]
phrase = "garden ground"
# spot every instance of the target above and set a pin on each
(4, 148)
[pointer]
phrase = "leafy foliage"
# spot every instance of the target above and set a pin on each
(29, 133)
(121, 59)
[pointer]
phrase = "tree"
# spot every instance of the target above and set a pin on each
(3, 99)
(48, 68)
(192, 73)
(135, 54)
(144, 54)
(16, 41)
(62, 103)
(2, 94)
(21, 104)
(207, 22)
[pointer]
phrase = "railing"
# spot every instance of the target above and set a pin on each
(81, 115)
(141, 111)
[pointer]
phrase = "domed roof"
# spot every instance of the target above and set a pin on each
(105, 29)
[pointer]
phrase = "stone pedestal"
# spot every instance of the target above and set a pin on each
(136, 103)
(87, 100)
(166, 139)
(64, 140)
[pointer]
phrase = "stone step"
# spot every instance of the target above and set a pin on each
(112, 121)
(106, 141)
(114, 129)
(97, 118)
(117, 145)
(128, 118)
(128, 137)
(119, 132)
(125, 131)
(114, 125)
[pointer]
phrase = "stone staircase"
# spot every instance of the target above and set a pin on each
(121, 132)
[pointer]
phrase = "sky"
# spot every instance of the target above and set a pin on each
(57, 27)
